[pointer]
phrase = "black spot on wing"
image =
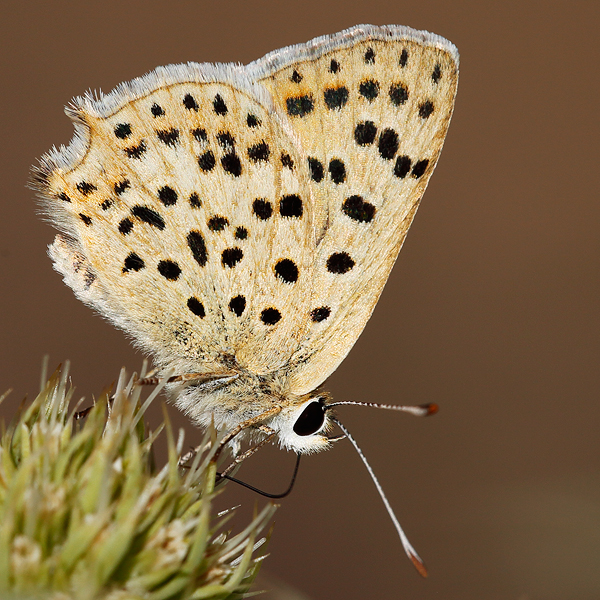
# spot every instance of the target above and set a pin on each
(426, 109)
(136, 151)
(388, 144)
(231, 257)
(286, 270)
(340, 263)
(196, 244)
(300, 106)
(231, 164)
(149, 216)
(286, 160)
(169, 137)
(320, 314)
(259, 152)
(398, 94)
(196, 307)
(369, 89)
(219, 105)
(336, 98)
(315, 166)
(206, 161)
(167, 195)
(237, 305)
(402, 167)
(86, 188)
(290, 206)
(364, 133)
(419, 168)
(123, 131)
(337, 171)
(358, 209)
(252, 120)
(157, 110)
(270, 316)
(125, 226)
(169, 269)
(226, 140)
(403, 57)
(217, 223)
(262, 209)
(121, 186)
(133, 263)
(200, 134)
(190, 102)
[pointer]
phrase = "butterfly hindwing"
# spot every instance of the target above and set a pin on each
(186, 209)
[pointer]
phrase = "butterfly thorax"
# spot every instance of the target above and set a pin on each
(232, 396)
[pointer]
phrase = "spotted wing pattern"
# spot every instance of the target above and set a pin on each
(371, 109)
(218, 211)
(189, 224)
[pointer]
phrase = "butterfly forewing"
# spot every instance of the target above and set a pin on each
(371, 110)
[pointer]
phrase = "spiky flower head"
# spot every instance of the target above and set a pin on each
(85, 515)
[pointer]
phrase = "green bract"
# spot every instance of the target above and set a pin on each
(85, 515)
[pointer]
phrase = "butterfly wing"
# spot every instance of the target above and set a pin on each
(185, 220)
(256, 212)
(371, 107)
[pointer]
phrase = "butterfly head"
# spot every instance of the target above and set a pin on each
(303, 426)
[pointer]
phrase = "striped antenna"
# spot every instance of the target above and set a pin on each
(410, 551)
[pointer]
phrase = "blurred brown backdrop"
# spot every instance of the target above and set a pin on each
(492, 311)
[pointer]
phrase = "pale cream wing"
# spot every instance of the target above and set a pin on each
(186, 221)
(370, 107)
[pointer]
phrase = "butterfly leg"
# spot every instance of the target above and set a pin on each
(254, 421)
(152, 379)
(151, 373)
(82, 414)
(200, 378)
(242, 457)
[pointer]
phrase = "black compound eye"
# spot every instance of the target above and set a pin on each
(310, 420)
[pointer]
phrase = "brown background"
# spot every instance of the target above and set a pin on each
(493, 309)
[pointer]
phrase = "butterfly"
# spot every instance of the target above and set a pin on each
(240, 222)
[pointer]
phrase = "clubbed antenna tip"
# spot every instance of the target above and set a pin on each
(419, 564)
(430, 409)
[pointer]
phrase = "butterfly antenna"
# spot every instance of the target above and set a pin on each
(421, 410)
(410, 551)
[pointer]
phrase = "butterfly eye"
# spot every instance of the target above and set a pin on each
(311, 419)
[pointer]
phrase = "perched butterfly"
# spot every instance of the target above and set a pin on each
(240, 222)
